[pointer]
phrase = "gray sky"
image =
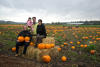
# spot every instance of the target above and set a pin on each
(50, 10)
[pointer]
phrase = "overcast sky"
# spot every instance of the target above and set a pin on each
(50, 10)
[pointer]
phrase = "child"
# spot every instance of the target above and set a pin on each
(29, 25)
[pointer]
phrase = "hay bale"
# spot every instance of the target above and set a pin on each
(48, 40)
(30, 52)
(54, 51)
(20, 51)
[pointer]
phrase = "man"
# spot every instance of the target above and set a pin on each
(34, 25)
(23, 33)
(41, 32)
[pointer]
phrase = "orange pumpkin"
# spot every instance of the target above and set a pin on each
(71, 42)
(73, 47)
(97, 38)
(27, 39)
(59, 49)
(78, 42)
(85, 45)
(92, 51)
(14, 49)
(63, 58)
(81, 45)
(52, 45)
(62, 45)
(65, 44)
(46, 58)
(31, 44)
(41, 46)
(47, 46)
(20, 38)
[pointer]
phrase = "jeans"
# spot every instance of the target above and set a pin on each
(26, 44)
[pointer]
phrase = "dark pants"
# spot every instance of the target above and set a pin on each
(39, 39)
(26, 44)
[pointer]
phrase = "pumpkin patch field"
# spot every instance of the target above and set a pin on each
(76, 46)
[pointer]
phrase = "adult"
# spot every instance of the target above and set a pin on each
(34, 25)
(41, 32)
(24, 33)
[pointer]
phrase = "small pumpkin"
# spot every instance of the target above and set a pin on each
(92, 51)
(20, 38)
(27, 39)
(31, 44)
(65, 44)
(71, 42)
(78, 42)
(62, 45)
(63, 58)
(73, 47)
(14, 49)
(81, 45)
(59, 49)
(85, 45)
(46, 58)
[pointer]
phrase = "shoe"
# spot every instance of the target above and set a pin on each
(16, 55)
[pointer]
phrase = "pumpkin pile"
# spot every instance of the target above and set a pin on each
(45, 46)
(22, 39)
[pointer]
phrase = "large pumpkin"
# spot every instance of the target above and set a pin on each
(52, 45)
(47, 46)
(27, 39)
(41, 46)
(14, 49)
(63, 58)
(20, 38)
(46, 58)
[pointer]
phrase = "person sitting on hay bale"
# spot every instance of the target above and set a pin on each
(23, 39)
(41, 32)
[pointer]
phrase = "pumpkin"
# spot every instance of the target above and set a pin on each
(20, 38)
(65, 44)
(78, 42)
(47, 46)
(92, 51)
(59, 49)
(81, 45)
(97, 38)
(27, 39)
(85, 45)
(90, 42)
(73, 47)
(52, 45)
(71, 42)
(86, 37)
(63, 58)
(14, 49)
(62, 45)
(46, 58)
(31, 44)
(41, 46)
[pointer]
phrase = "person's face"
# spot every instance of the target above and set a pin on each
(34, 19)
(39, 23)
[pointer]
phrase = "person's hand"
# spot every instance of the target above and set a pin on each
(17, 40)
(27, 41)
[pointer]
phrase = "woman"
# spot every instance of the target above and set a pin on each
(41, 32)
